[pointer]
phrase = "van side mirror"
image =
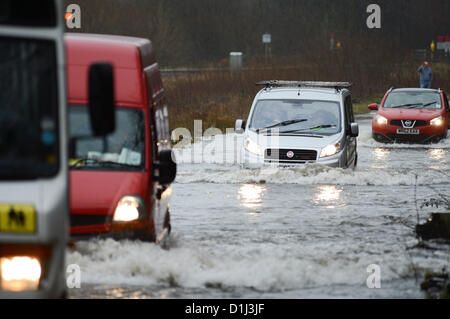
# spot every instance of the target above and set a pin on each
(373, 106)
(167, 167)
(354, 129)
(101, 99)
(239, 127)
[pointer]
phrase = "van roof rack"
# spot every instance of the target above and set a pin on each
(310, 84)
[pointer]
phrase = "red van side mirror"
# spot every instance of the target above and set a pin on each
(167, 167)
(373, 106)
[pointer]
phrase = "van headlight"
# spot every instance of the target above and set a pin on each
(253, 147)
(438, 121)
(330, 150)
(128, 209)
(19, 273)
(381, 120)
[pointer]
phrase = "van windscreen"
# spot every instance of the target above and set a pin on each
(28, 109)
(302, 116)
(124, 149)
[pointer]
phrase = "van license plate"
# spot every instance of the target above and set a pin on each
(17, 218)
(408, 131)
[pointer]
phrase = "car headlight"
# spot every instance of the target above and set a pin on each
(438, 121)
(253, 147)
(330, 150)
(19, 273)
(128, 209)
(381, 120)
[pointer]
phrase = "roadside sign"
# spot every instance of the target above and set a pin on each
(267, 38)
(443, 42)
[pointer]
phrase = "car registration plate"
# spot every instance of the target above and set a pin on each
(17, 218)
(408, 131)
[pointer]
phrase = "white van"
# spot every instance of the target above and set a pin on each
(292, 123)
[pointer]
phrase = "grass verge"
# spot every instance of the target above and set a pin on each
(219, 98)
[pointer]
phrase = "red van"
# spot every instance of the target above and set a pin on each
(119, 184)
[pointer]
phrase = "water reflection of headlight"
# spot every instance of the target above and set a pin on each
(437, 154)
(328, 193)
(251, 195)
(380, 153)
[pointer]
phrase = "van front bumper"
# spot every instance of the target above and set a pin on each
(387, 133)
(332, 162)
(125, 230)
(407, 139)
(257, 161)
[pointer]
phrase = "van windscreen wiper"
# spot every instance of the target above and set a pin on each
(315, 128)
(284, 123)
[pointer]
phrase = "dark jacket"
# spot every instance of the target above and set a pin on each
(425, 74)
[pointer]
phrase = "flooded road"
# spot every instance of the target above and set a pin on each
(308, 232)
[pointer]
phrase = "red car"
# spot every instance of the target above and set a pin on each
(119, 185)
(411, 115)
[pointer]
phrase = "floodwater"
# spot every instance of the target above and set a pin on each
(309, 232)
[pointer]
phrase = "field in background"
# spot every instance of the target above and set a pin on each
(218, 98)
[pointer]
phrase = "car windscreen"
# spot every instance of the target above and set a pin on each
(413, 100)
(122, 150)
(28, 109)
(297, 116)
